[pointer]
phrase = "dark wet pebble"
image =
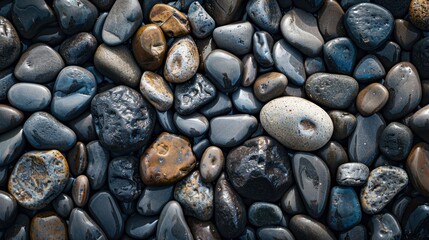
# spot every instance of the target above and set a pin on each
(103, 5)
(291, 202)
(224, 69)
(10, 42)
(352, 174)
(82, 226)
(314, 65)
(78, 49)
(39, 99)
(224, 11)
(48, 225)
(39, 64)
(12, 144)
(172, 223)
(334, 154)
(98, 160)
(419, 57)
(265, 214)
(372, 99)
(398, 8)
(369, 69)
(83, 127)
(266, 14)
(344, 209)
(406, 34)
(203, 229)
(356, 233)
(389, 54)
(384, 226)
(20, 229)
(193, 125)
(75, 16)
(245, 101)
(77, 159)
(80, 190)
(231, 130)
(123, 178)
(273, 233)
(396, 141)
(330, 20)
(308, 228)
(340, 55)
(202, 24)
(344, 124)
(63, 205)
(308, 5)
(290, 62)
(418, 167)
(7, 80)
(165, 119)
(416, 219)
(235, 38)
(250, 69)
(220, 105)
(9, 118)
(43, 131)
(269, 86)
(141, 227)
(9, 209)
(262, 47)
(153, 199)
(400, 205)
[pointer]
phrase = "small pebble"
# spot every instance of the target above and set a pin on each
(289, 61)
(309, 228)
(149, 47)
(155, 89)
(265, 214)
(269, 86)
(98, 161)
(81, 190)
(153, 199)
(352, 174)
(182, 61)
(231, 130)
(369, 69)
(340, 55)
(372, 99)
(193, 125)
(211, 164)
(344, 209)
(48, 225)
(396, 141)
(63, 205)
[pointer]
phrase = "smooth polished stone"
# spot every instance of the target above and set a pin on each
(248, 234)
(415, 219)
(334, 154)
(330, 20)
(369, 69)
(308, 228)
(103, 5)
(406, 34)
(73, 91)
(75, 16)
(356, 233)
(123, 20)
(419, 57)
(105, 211)
(331, 90)
(48, 225)
(172, 223)
(300, 29)
(83, 127)
(118, 64)
(344, 124)
(389, 54)
(202, 24)
(269, 86)
(262, 47)
(167, 160)
(98, 161)
(297, 123)
(383, 184)
(43, 131)
(352, 174)
(314, 65)
(173, 22)
(200, 144)
(12, 144)
(98, 27)
(230, 215)
(220, 105)
(344, 209)
(153, 199)
(363, 142)
(10, 42)
(182, 61)
(235, 38)
(273, 233)
(19, 97)
(123, 178)
(231, 130)
(245, 101)
(39, 64)
(165, 119)
(396, 141)
(203, 230)
(149, 47)
(384, 226)
(78, 49)
(418, 167)
(264, 214)
(259, 169)
(340, 55)
(368, 25)
(250, 69)
(156, 90)
(82, 226)
(372, 99)
(9, 118)
(113, 107)
(417, 122)
(211, 164)
(63, 205)
(224, 11)
(313, 182)
(193, 94)
(205, 47)
(193, 125)
(141, 227)
(9, 209)
(291, 202)
(398, 8)
(266, 14)
(400, 205)
(42, 176)
(19, 230)
(81, 190)
(7, 80)
(419, 14)
(289, 61)
(77, 159)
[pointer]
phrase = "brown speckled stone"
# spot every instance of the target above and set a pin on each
(419, 13)
(173, 22)
(149, 47)
(182, 61)
(48, 225)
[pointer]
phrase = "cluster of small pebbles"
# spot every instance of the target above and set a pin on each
(214, 119)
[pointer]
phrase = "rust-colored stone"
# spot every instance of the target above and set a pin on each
(48, 225)
(173, 22)
(149, 47)
(167, 160)
(80, 190)
(419, 14)
(77, 159)
(418, 167)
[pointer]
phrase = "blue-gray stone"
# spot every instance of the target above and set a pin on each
(290, 62)
(153, 199)
(264, 214)
(7, 80)
(344, 209)
(166, 120)
(369, 69)
(19, 96)
(340, 55)
(385, 226)
(235, 37)
(274, 233)
(193, 125)
(141, 227)
(202, 24)
(244, 101)
(232, 130)
(98, 161)
(82, 226)
(266, 14)
(262, 47)
(219, 106)
(75, 16)
(172, 223)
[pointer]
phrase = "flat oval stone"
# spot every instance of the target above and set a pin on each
(78, 49)
(155, 89)
(369, 69)
(12, 144)
(224, 11)
(82, 226)
(300, 29)
(330, 20)
(10, 42)
(418, 167)
(309, 228)
(38, 178)
(220, 105)
(203, 230)
(340, 55)
(81, 190)
(77, 159)
(9, 209)
(63, 205)
(195, 196)
(231, 130)
(418, 124)
(167, 160)
(352, 174)
(123, 20)
(123, 178)
(43, 131)
(419, 59)
(193, 94)
(403, 83)
(372, 99)
(153, 200)
(230, 214)
(368, 25)
(202, 24)
(344, 124)
(235, 37)
(416, 219)
(383, 184)
(363, 142)
(297, 123)
(384, 226)
(245, 101)
(9, 118)
(272, 233)
(39, 99)
(105, 211)
(140, 227)
(149, 47)
(211, 164)
(265, 214)
(406, 34)
(419, 14)
(172, 223)
(250, 69)
(113, 108)
(193, 125)
(290, 62)
(331, 90)
(173, 22)
(334, 154)
(396, 141)
(118, 64)
(269, 86)
(75, 16)
(259, 169)
(39, 63)
(313, 181)
(266, 14)
(291, 202)
(182, 61)
(98, 161)
(48, 225)
(344, 209)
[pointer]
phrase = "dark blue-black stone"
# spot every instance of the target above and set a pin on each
(340, 55)
(344, 208)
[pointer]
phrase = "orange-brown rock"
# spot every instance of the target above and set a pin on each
(149, 47)
(173, 22)
(80, 190)
(419, 14)
(48, 225)
(418, 167)
(167, 160)
(372, 99)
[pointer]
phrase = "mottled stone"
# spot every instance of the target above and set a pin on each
(352, 174)
(82, 226)
(182, 61)
(340, 55)
(202, 24)
(149, 47)
(235, 38)
(289, 61)
(344, 209)
(78, 49)
(172, 223)
(232, 130)
(418, 167)
(123, 178)
(264, 214)
(173, 22)
(419, 14)
(10, 43)
(156, 90)
(75, 16)
(266, 14)
(308, 228)
(48, 225)
(344, 124)
(372, 99)
(396, 141)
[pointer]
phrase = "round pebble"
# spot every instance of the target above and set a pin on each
(372, 99)
(265, 214)
(211, 164)
(269, 86)
(340, 55)
(78, 49)
(396, 141)
(193, 125)
(156, 90)
(235, 38)
(18, 96)
(149, 47)
(182, 61)
(48, 225)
